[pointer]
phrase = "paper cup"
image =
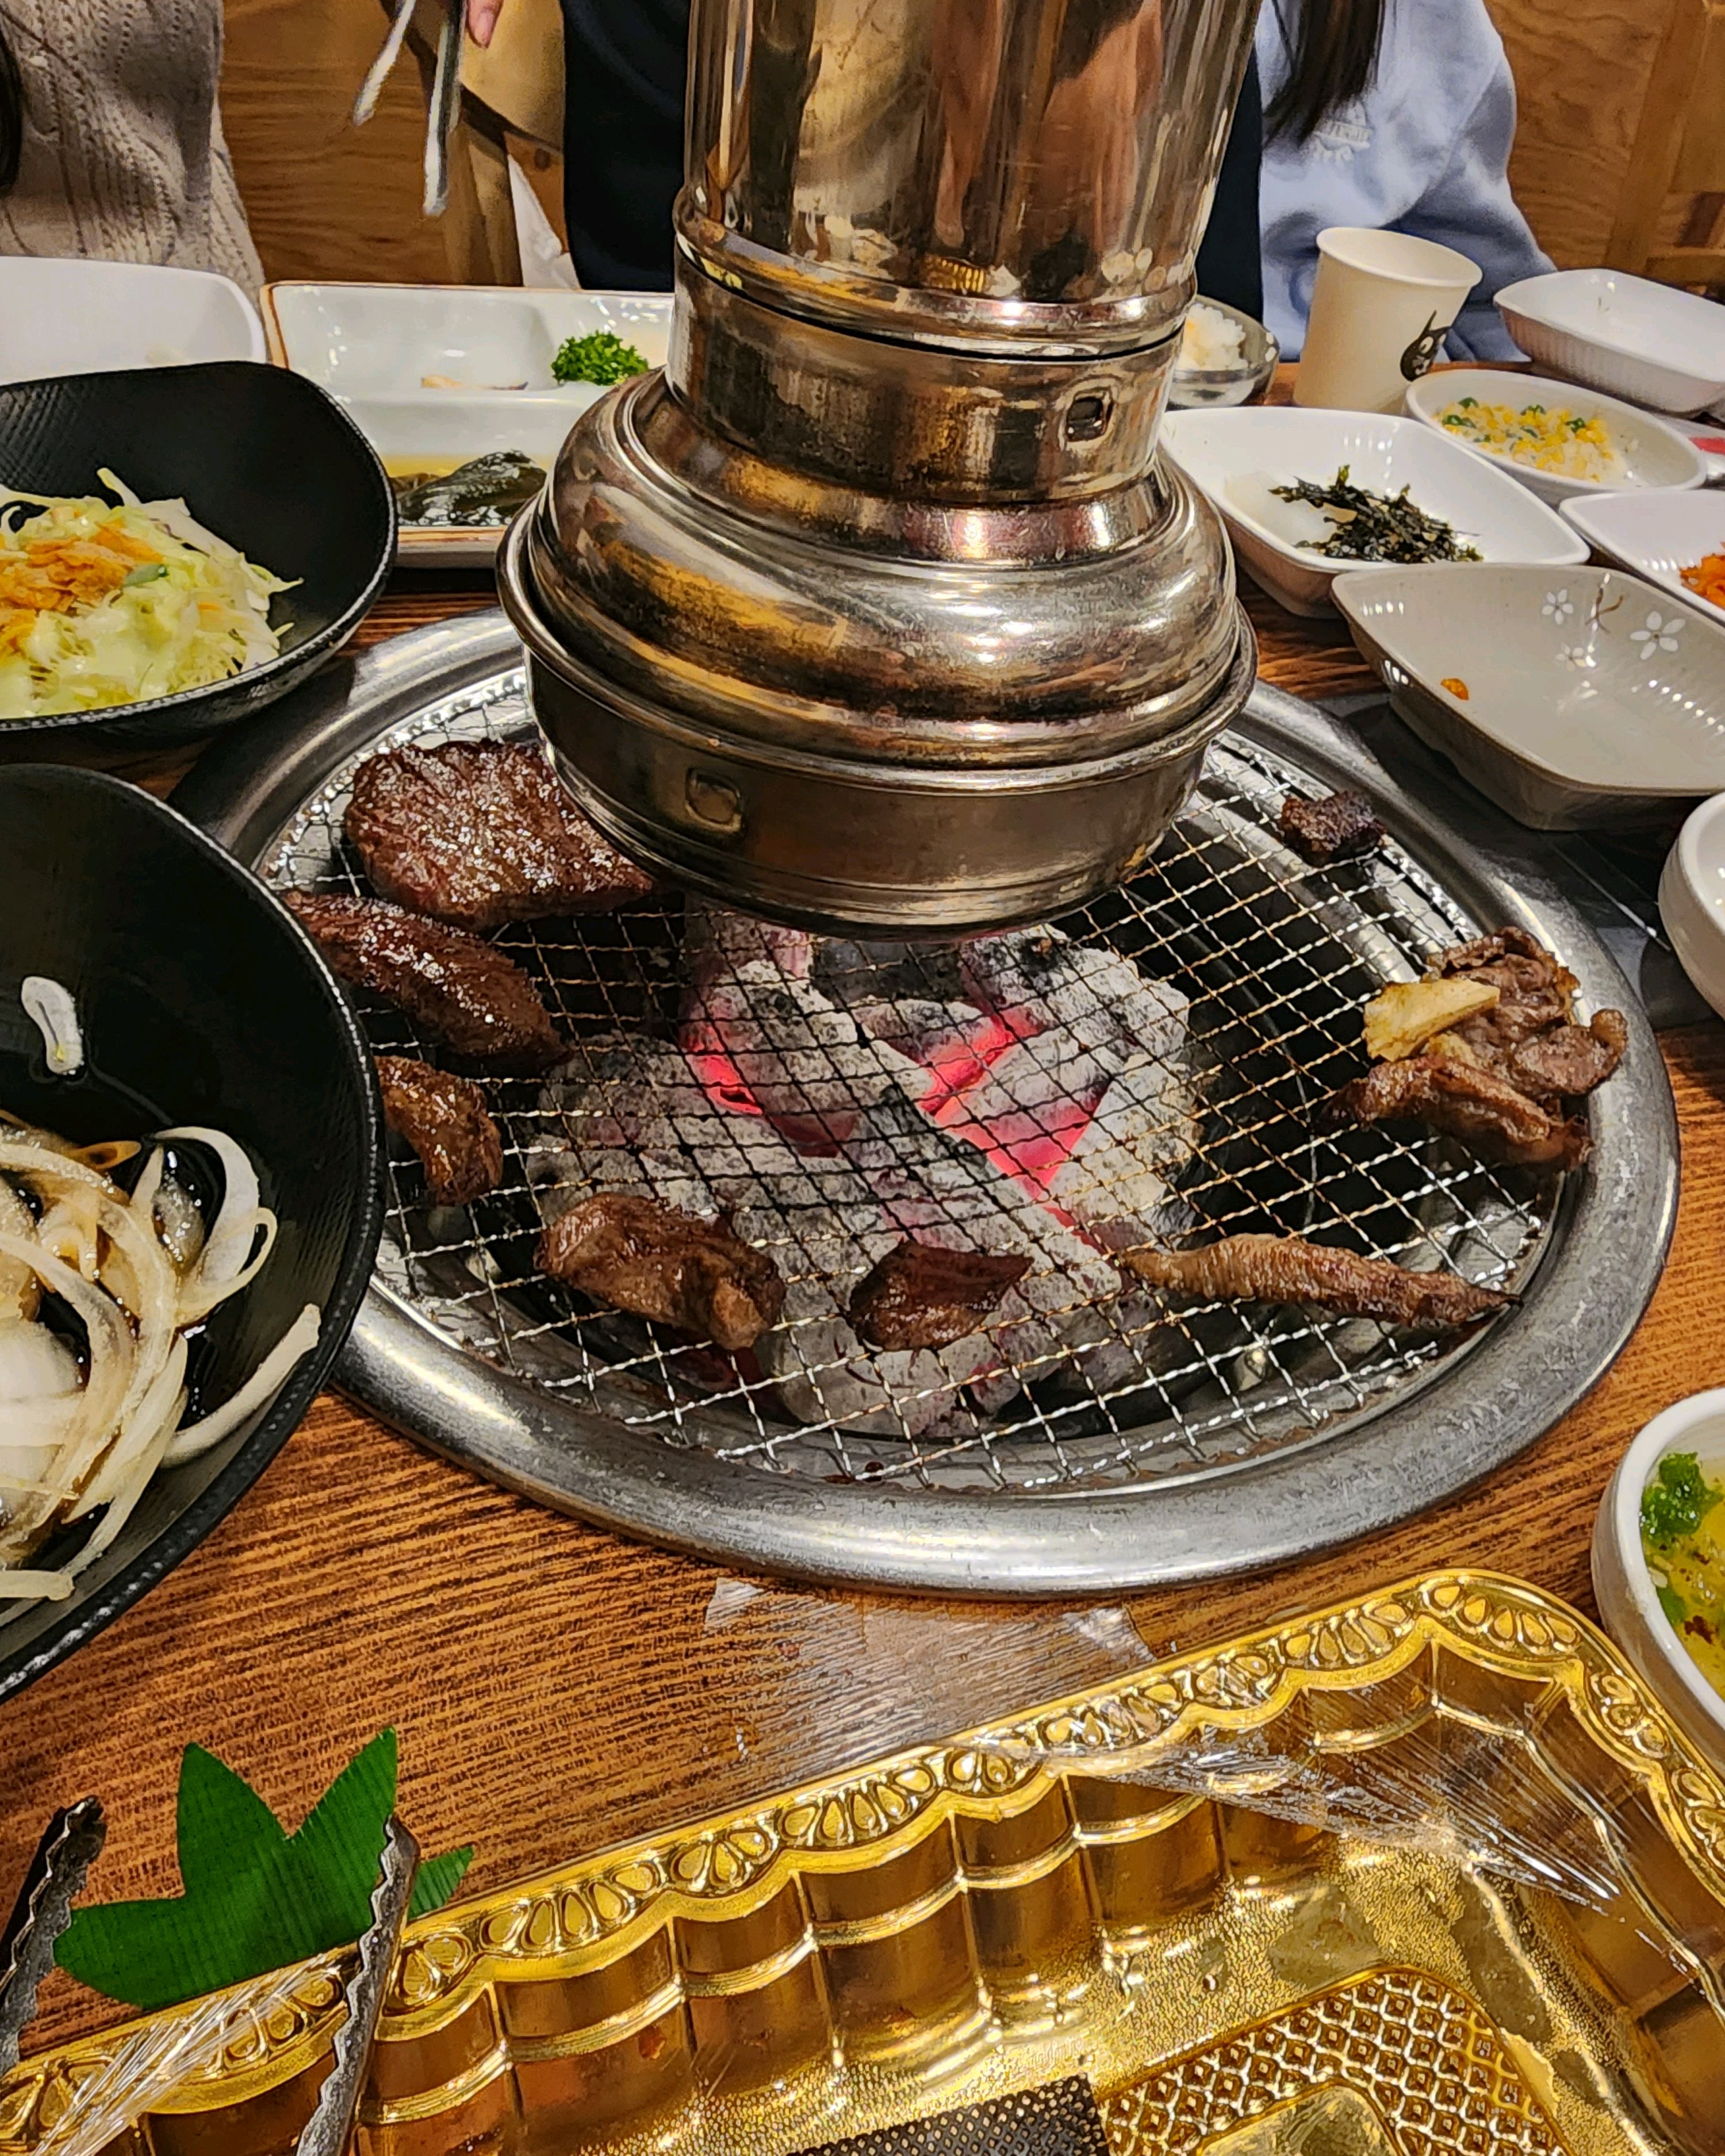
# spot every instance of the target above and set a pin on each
(1380, 309)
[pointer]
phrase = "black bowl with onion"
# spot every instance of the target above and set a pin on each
(263, 459)
(198, 1001)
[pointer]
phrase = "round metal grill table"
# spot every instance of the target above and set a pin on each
(1170, 1444)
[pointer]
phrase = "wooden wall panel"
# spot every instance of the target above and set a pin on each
(1581, 69)
(325, 199)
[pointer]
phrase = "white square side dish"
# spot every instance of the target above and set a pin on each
(1625, 335)
(1641, 451)
(1655, 536)
(78, 317)
(1572, 698)
(1238, 456)
(384, 351)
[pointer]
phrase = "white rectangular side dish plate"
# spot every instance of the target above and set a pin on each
(78, 317)
(1625, 335)
(1237, 457)
(1655, 536)
(373, 347)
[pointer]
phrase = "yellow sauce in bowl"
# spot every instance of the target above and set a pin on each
(1683, 1541)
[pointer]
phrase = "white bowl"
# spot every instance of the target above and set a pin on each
(76, 317)
(1691, 900)
(1591, 700)
(1657, 536)
(1625, 335)
(1236, 457)
(1628, 1605)
(371, 346)
(1650, 453)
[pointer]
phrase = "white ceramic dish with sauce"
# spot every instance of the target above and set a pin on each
(1627, 335)
(1648, 453)
(1691, 900)
(1655, 536)
(1629, 1603)
(382, 351)
(1574, 698)
(1237, 457)
(76, 317)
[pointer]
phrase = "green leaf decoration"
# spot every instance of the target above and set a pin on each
(256, 1898)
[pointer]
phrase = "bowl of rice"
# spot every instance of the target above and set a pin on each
(1225, 358)
(1559, 441)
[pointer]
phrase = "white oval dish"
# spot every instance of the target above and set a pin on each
(1237, 456)
(1591, 700)
(1650, 453)
(1655, 536)
(1625, 335)
(79, 317)
(1691, 900)
(1628, 1605)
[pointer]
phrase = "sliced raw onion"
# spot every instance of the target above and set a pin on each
(229, 1242)
(48, 1005)
(267, 1380)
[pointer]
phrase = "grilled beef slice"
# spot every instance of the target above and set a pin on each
(1464, 1100)
(444, 1119)
(661, 1263)
(1288, 1269)
(920, 1296)
(467, 995)
(1331, 828)
(482, 833)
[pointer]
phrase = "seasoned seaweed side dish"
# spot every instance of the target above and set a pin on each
(1375, 527)
(488, 490)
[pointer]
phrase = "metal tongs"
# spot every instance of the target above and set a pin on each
(331, 2127)
(445, 92)
(42, 1912)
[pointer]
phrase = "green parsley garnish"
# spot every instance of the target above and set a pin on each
(1672, 1504)
(601, 357)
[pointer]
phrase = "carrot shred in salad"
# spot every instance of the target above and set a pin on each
(1706, 578)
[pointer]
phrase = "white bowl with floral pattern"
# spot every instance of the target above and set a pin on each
(1573, 697)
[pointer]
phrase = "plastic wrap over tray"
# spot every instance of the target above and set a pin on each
(1428, 1870)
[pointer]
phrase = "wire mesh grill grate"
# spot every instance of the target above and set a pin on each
(1107, 1391)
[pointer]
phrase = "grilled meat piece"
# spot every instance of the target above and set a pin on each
(1288, 1269)
(1464, 1100)
(920, 1296)
(1570, 1059)
(459, 989)
(660, 1263)
(1535, 993)
(1332, 828)
(444, 1119)
(482, 833)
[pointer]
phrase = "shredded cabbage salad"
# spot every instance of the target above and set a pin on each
(104, 604)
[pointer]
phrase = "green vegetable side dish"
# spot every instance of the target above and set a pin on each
(1375, 527)
(1683, 1541)
(601, 357)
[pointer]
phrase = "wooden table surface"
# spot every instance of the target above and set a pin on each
(556, 1689)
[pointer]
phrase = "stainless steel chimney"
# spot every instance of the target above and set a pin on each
(877, 609)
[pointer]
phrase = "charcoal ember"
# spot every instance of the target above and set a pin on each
(921, 1296)
(1332, 828)
(1039, 981)
(1119, 1182)
(462, 992)
(445, 1121)
(482, 833)
(663, 1263)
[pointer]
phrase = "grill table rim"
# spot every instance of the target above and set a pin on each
(1442, 1428)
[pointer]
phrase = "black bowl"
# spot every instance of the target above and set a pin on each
(266, 460)
(201, 1001)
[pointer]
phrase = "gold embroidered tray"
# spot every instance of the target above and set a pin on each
(991, 1914)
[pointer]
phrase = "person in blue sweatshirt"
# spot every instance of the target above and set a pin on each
(1398, 114)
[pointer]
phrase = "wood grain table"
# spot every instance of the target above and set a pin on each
(556, 1689)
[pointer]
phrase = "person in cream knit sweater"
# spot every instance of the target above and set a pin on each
(110, 135)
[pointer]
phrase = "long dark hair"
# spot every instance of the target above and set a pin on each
(11, 113)
(1333, 51)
